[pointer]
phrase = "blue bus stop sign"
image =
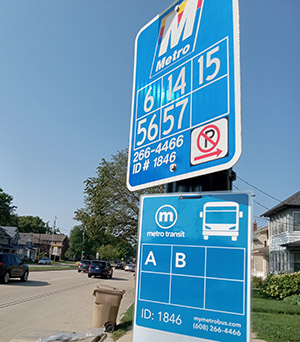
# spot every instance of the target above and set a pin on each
(193, 274)
(185, 119)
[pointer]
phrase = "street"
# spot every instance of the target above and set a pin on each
(59, 301)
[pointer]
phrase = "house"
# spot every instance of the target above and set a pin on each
(284, 235)
(13, 232)
(26, 247)
(31, 245)
(17, 243)
(6, 241)
(260, 251)
(52, 245)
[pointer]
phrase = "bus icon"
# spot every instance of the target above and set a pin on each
(221, 219)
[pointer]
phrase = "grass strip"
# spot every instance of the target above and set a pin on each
(276, 327)
(125, 324)
(274, 320)
(51, 268)
(275, 307)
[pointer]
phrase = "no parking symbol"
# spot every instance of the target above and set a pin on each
(209, 142)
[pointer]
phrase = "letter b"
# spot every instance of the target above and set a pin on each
(180, 260)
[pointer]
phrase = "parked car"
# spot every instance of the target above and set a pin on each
(11, 266)
(84, 265)
(130, 268)
(119, 266)
(100, 268)
(44, 261)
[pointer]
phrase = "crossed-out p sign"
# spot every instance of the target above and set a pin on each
(209, 142)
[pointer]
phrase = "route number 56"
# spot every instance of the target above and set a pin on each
(151, 133)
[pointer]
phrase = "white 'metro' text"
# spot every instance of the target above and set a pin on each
(176, 54)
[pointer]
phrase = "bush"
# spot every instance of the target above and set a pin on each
(257, 282)
(294, 300)
(282, 285)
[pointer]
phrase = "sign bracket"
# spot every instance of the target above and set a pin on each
(218, 181)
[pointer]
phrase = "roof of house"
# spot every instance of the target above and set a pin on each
(291, 202)
(3, 232)
(261, 251)
(48, 238)
(294, 244)
(261, 230)
(11, 231)
(25, 237)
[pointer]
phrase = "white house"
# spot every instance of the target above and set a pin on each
(284, 235)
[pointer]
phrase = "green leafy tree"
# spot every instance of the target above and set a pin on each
(7, 209)
(82, 243)
(108, 252)
(32, 224)
(125, 250)
(109, 206)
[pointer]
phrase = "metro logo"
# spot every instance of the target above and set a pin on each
(173, 25)
(177, 34)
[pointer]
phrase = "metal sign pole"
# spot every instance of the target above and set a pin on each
(218, 181)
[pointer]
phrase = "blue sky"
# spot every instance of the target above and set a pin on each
(66, 70)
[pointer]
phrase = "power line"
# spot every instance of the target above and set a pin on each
(254, 200)
(263, 206)
(261, 218)
(263, 192)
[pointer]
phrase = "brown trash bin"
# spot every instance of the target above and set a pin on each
(106, 307)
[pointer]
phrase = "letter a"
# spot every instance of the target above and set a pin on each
(180, 260)
(150, 258)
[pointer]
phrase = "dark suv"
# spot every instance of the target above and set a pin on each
(11, 266)
(84, 265)
(100, 268)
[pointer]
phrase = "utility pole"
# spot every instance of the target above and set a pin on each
(53, 231)
(82, 251)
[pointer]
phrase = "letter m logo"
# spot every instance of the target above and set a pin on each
(177, 34)
(166, 216)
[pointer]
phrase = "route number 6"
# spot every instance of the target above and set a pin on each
(149, 101)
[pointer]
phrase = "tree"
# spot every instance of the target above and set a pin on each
(7, 209)
(32, 224)
(108, 252)
(82, 243)
(109, 206)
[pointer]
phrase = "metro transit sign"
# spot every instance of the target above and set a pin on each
(185, 119)
(193, 272)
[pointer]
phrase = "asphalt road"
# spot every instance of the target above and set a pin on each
(59, 301)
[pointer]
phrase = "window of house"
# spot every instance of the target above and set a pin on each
(296, 216)
(279, 222)
(279, 262)
(297, 262)
(285, 259)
